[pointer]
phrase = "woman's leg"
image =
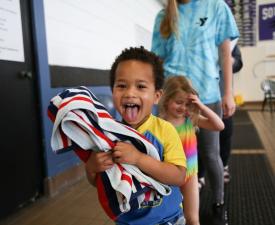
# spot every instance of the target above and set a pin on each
(226, 140)
(209, 150)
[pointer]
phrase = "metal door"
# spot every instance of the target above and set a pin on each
(21, 143)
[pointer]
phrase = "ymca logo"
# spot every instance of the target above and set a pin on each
(202, 21)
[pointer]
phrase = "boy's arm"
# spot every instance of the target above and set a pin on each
(97, 162)
(91, 177)
(228, 103)
(162, 171)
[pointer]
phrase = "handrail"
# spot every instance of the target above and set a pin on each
(268, 58)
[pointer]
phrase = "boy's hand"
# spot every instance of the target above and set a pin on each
(99, 162)
(126, 153)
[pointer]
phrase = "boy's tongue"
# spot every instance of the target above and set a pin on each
(131, 113)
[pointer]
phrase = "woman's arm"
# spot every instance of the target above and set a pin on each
(228, 104)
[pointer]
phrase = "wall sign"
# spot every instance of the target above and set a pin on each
(11, 39)
(244, 12)
(267, 22)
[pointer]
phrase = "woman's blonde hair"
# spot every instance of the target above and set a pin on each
(169, 23)
(172, 86)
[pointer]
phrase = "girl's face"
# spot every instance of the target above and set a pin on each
(134, 92)
(177, 106)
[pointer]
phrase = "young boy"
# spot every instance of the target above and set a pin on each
(136, 83)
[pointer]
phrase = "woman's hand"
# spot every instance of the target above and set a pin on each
(228, 106)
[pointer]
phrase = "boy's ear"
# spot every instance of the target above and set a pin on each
(158, 95)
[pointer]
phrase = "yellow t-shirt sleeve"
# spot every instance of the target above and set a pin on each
(173, 151)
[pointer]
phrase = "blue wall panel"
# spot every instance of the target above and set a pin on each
(54, 164)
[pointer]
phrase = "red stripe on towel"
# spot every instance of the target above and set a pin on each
(97, 132)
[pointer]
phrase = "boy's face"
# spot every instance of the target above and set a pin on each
(134, 92)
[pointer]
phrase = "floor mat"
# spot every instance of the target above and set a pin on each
(245, 135)
(250, 195)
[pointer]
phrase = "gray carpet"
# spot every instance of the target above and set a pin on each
(250, 195)
(245, 135)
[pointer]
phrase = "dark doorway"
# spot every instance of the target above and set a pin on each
(21, 142)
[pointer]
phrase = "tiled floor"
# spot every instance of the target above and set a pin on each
(78, 205)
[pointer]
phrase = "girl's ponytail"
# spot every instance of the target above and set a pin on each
(169, 23)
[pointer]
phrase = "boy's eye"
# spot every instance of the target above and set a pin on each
(120, 85)
(141, 86)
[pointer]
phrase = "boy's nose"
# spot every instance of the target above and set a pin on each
(130, 92)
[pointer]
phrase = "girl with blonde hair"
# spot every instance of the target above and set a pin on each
(181, 106)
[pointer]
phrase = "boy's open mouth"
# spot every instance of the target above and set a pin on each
(131, 111)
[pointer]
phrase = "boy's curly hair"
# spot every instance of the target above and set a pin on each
(143, 55)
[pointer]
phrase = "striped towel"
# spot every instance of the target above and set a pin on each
(82, 124)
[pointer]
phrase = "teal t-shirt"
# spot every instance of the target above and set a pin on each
(203, 26)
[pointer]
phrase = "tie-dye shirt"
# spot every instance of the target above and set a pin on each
(203, 26)
(188, 138)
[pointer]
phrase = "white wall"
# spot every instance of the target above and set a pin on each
(256, 66)
(91, 33)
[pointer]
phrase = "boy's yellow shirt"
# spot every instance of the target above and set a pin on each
(165, 138)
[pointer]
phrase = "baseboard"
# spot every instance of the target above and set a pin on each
(253, 103)
(58, 183)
